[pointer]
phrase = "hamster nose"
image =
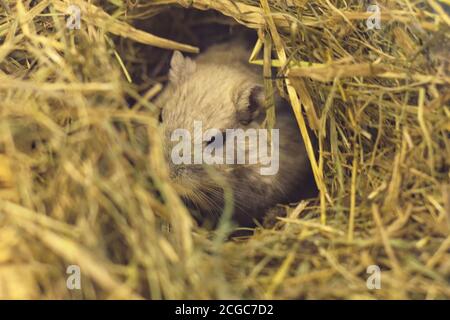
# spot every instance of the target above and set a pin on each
(177, 171)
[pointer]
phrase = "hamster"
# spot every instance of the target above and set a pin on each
(220, 90)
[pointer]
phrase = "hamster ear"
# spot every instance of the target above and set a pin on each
(250, 103)
(181, 68)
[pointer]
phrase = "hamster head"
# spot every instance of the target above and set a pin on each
(212, 97)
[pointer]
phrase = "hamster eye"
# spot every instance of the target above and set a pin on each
(160, 117)
(210, 141)
(213, 139)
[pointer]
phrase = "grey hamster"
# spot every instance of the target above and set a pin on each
(221, 90)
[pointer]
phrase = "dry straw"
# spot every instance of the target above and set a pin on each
(79, 187)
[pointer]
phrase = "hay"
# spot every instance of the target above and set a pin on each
(78, 188)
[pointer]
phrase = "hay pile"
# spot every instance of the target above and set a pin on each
(77, 188)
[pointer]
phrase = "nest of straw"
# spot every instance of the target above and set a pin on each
(78, 188)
